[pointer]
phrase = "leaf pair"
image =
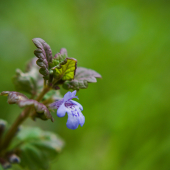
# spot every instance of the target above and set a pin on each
(18, 98)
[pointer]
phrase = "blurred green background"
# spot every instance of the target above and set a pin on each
(127, 112)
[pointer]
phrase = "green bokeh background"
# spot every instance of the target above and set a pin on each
(128, 111)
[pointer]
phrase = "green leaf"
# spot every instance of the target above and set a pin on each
(37, 148)
(83, 76)
(22, 101)
(24, 82)
(44, 55)
(30, 81)
(65, 70)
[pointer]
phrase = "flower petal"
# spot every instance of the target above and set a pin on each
(61, 111)
(81, 119)
(78, 104)
(72, 121)
(69, 95)
(56, 104)
(74, 93)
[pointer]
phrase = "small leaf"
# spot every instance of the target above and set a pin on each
(83, 76)
(59, 57)
(13, 97)
(18, 98)
(63, 52)
(30, 81)
(65, 70)
(32, 69)
(37, 148)
(23, 82)
(44, 55)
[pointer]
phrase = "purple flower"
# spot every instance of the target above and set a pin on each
(73, 109)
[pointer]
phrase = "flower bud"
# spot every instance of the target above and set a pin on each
(14, 159)
(5, 164)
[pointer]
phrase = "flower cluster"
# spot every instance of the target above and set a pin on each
(72, 108)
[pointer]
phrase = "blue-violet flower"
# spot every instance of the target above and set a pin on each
(73, 109)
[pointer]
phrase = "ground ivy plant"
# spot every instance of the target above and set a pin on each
(45, 75)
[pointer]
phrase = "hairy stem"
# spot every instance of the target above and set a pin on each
(21, 118)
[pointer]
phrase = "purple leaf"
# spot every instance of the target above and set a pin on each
(22, 101)
(44, 55)
(82, 77)
(63, 52)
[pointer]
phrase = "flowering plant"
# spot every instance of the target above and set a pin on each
(27, 146)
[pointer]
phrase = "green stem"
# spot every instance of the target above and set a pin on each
(21, 118)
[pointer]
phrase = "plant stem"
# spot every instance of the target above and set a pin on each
(13, 129)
